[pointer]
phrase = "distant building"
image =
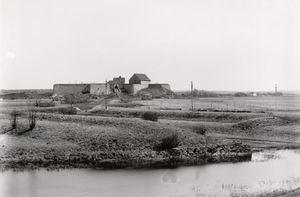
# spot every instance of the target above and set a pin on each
(116, 83)
(117, 80)
(139, 79)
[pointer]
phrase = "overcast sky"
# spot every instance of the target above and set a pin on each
(220, 45)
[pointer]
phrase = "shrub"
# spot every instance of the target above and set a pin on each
(199, 130)
(13, 119)
(240, 94)
(68, 110)
(44, 104)
(31, 119)
(168, 142)
(146, 96)
(21, 129)
(150, 116)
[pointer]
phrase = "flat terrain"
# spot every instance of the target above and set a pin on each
(120, 133)
(260, 103)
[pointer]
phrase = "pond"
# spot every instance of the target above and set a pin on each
(266, 172)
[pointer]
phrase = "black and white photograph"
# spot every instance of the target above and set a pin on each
(150, 98)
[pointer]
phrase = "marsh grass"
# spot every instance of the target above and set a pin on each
(199, 129)
(152, 116)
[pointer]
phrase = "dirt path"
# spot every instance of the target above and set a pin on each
(101, 104)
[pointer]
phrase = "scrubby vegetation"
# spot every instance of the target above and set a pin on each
(40, 103)
(199, 129)
(211, 116)
(198, 93)
(152, 116)
(168, 142)
(14, 118)
(18, 127)
(67, 110)
(146, 96)
(149, 93)
(31, 119)
(125, 105)
(25, 94)
(240, 94)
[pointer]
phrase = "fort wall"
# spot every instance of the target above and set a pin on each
(65, 89)
(159, 85)
(99, 89)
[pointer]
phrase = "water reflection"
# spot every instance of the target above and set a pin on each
(169, 177)
(268, 171)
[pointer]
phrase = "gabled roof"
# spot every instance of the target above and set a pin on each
(141, 77)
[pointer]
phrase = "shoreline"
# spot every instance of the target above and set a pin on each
(173, 158)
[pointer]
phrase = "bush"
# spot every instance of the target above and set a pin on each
(31, 120)
(146, 96)
(13, 119)
(199, 130)
(168, 142)
(44, 104)
(68, 110)
(240, 94)
(21, 129)
(150, 116)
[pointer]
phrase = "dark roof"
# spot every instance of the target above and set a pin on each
(141, 77)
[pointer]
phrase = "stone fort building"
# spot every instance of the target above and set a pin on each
(136, 83)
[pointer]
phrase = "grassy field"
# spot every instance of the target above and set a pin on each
(25, 94)
(93, 141)
(98, 137)
(259, 103)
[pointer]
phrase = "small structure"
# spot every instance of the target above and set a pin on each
(139, 79)
(116, 83)
(117, 80)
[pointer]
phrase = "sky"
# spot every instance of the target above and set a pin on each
(242, 45)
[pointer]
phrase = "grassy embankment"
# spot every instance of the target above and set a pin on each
(84, 141)
(260, 130)
(120, 138)
(94, 141)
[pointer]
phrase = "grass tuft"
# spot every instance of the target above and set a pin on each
(150, 116)
(200, 129)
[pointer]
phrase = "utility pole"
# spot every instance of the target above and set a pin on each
(106, 87)
(276, 96)
(105, 96)
(192, 101)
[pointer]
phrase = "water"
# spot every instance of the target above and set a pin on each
(268, 171)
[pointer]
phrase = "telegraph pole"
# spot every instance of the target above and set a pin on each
(192, 101)
(105, 96)
(276, 96)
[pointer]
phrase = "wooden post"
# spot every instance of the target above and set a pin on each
(105, 95)
(106, 87)
(192, 101)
